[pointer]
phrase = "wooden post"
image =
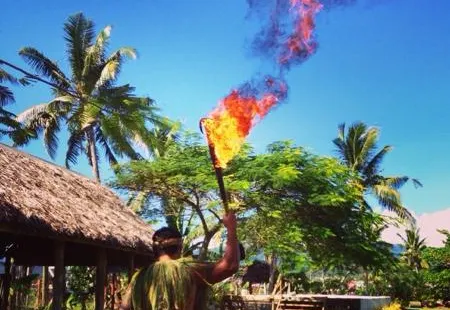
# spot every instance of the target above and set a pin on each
(45, 283)
(59, 278)
(6, 283)
(100, 279)
(130, 267)
(113, 291)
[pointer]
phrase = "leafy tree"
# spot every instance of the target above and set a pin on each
(414, 246)
(293, 204)
(185, 180)
(357, 148)
(437, 276)
(81, 284)
(96, 111)
(320, 198)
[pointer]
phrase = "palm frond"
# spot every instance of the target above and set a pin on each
(339, 142)
(6, 77)
(84, 115)
(104, 144)
(79, 35)
(416, 183)
(61, 105)
(6, 96)
(95, 53)
(74, 147)
(32, 113)
(113, 131)
(7, 114)
(7, 119)
(161, 137)
(355, 138)
(109, 72)
(389, 198)
(373, 166)
(112, 66)
(138, 201)
(368, 142)
(51, 136)
(395, 182)
(44, 66)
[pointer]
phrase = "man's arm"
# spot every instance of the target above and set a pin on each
(229, 264)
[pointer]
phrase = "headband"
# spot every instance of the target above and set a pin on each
(168, 242)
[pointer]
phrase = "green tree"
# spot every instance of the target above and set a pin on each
(311, 204)
(292, 204)
(96, 111)
(179, 187)
(437, 276)
(414, 246)
(357, 148)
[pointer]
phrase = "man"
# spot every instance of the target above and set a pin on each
(174, 283)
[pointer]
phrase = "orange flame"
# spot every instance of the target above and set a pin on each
(229, 124)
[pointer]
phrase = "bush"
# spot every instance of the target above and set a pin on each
(392, 306)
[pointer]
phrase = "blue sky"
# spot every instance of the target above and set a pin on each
(384, 62)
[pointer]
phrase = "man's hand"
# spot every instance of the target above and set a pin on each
(229, 220)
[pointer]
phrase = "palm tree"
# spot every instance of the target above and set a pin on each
(357, 148)
(413, 249)
(96, 111)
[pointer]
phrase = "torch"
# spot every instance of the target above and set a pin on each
(227, 126)
(217, 168)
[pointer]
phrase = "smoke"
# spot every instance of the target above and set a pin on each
(287, 35)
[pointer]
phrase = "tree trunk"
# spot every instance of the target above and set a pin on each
(92, 152)
(366, 281)
(272, 260)
(204, 249)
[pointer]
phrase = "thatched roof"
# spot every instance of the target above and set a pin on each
(38, 198)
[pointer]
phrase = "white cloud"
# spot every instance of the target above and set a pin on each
(428, 223)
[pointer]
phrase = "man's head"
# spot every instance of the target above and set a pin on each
(167, 241)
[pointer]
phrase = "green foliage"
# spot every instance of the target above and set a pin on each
(401, 283)
(23, 284)
(357, 148)
(414, 246)
(80, 280)
(9, 126)
(180, 187)
(316, 210)
(437, 276)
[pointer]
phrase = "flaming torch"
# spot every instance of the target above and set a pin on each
(227, 126)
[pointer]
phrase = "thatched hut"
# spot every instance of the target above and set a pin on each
(51, 216)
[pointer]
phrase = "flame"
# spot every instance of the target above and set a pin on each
(300, 43)
(230, 123)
